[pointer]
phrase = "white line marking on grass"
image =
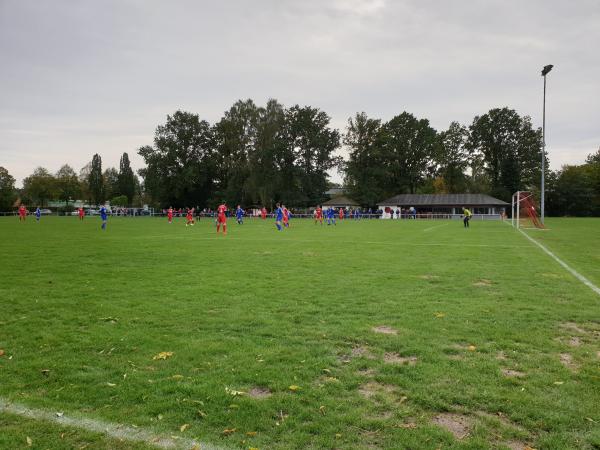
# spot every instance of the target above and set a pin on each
(435, 226)
(112, 430)
(568, 268)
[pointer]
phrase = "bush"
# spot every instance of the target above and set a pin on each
(121, 200)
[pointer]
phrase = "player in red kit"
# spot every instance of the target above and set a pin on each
(319, 215)
(263, 213)
(286, 216)
(341, 213)
(170, 214)
(22, 213)
(189, 217)
(81, 213)
(222, 218)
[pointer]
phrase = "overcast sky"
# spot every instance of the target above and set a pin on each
(84, 76)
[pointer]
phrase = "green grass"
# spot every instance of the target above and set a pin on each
(259, 308)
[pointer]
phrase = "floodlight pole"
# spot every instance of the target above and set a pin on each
(545, 72)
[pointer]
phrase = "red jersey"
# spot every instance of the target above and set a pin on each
(285, 214)
(341, 213)
(190, 214)
(170, 212)
(319, 212)
(81, 212)
(22, 210)
(263, 213)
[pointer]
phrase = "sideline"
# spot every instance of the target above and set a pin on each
(112, 430)
(435, 226)
(568, 268)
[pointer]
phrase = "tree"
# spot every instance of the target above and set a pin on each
(409, 148)
(180, 168)
(571, 192)
(365, 171)
(453, 158)
(127, 181)
(96, 180)
(40, 187)
(511, 150)
(84, 176)
(8, 192)
(67, 184)
(111, 183)
(313, 143)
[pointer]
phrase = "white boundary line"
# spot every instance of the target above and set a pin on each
(568, 268)
(112, 430)
(435, 226)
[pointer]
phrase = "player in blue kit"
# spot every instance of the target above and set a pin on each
(239, 215)
(38, 214)
(330, 216)
(104, 217)
(278, 217)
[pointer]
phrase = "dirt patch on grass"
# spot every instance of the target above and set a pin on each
(499, 417)
(384, 329)
(395, 358)
(574, 342)
(482, 283)
(310, 254)
(367, 372)
(372, 388)
(456, 357)
(512, 373)
(457, 424)
(259, 393)
(567, 361)
(361, 352)
(501, 356)
(572, 326)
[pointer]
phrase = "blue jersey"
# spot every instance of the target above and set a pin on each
(279, 214)
(239, 213)
(330, 213)
(38, 213)
(103, 213)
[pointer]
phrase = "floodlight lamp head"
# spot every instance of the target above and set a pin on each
(547, 69)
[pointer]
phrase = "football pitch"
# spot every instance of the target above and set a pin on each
(369, 334)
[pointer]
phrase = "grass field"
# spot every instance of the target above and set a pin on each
(371, 334)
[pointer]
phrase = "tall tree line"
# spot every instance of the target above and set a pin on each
(253, 156)
(499, 153)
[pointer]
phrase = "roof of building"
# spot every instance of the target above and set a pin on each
(335, 192)
(442, 200)
(340, 201)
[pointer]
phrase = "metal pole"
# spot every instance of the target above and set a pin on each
(543, 154)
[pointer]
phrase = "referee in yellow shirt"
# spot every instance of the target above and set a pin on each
(466, 216)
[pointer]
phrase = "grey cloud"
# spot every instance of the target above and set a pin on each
(80, 77)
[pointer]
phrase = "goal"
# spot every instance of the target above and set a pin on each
(524, 213)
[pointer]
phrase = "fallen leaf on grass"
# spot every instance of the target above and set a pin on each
(184, 427)
(294, 388)
(159, 417)
(233, 392)
(234, 406)
(327, 370)
(330, 380)
(228, 431)
(202, 414)
(251, 433)
(408, 425)
(45, 372)
(471, 348)
(1, 352)
(253, 448)
(322, 409)
(338, 435)
(196, 447)
(110, 384)
(439, 315)
(177, 377)
(558, 383)
(162, 355)
(29, 441)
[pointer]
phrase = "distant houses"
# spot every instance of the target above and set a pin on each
(448, 205)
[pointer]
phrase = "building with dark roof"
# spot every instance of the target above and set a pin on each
(444, 204)
(340, 202)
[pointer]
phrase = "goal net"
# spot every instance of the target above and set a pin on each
(524, 211)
